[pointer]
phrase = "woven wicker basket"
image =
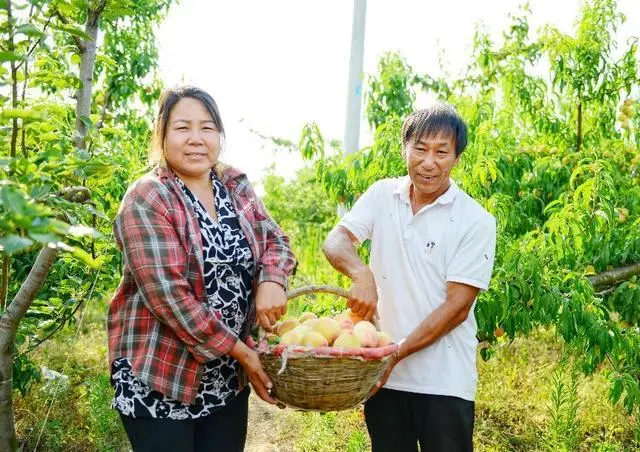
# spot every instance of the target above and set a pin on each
(325, 378)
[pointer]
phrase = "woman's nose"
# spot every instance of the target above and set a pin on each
(195, 136)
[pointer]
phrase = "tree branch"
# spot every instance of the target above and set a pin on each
(35, 44)
(615, 276)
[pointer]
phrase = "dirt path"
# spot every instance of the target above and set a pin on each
(270, 428)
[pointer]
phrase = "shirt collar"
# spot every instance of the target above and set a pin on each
(402, 190)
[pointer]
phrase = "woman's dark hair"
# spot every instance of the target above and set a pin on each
(437, 119)
(168, 100)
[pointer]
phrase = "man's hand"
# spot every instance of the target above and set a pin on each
(363, 294)
(271, 303)
(385, 376)
(251, 364)
(398, 356)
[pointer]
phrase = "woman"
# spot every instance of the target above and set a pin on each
(202, 260)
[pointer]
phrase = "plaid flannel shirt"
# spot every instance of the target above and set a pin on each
(158, 317)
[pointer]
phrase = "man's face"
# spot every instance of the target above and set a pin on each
(429, 163)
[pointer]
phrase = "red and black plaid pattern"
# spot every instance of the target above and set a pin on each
(158, 317)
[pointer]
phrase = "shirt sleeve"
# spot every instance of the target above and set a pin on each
(472, 262)
(361, 218)
(153, 254)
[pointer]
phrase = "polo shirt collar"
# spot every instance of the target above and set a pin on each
(402, 190)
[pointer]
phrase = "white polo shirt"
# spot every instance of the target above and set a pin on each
(412, 259)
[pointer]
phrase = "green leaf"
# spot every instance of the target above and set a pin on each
(14, 243)
(83, 231)
(86, 121)
(74, 31)
(13, 201)
(85, 257)
(3, 4)
(10, 56)
(29, 30)
(96, 212)
(21, 113)
(44, 238)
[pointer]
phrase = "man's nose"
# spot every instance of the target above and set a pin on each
(428, 160)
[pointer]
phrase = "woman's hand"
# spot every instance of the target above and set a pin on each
(251, 364)
(271, 303)
(363, 294)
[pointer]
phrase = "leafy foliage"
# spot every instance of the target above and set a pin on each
(40, 159)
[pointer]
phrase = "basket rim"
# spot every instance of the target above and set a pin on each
(299, 351)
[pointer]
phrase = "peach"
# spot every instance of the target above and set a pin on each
(328, 327)
(346, 340)
(346, 325)
(311, 323)
(384, 339)
(291, 337)
(366, 333)
(314, 339)
(287, 325)
(306, 316)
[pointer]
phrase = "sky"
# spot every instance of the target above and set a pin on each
(273, 66)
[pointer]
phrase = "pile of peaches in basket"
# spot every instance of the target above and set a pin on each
(345, 330)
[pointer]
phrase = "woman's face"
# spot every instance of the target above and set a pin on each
(192, 141)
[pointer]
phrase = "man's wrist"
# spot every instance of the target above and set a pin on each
(360, 274)
(401, 352)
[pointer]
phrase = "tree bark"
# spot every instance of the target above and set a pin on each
(87, 64)
(4, 288)
(14, 82)
(615, 276)
(8, 327)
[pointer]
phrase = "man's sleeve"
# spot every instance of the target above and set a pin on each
(361, 218)
(472, 261)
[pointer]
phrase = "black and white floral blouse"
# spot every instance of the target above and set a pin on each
(228, 268)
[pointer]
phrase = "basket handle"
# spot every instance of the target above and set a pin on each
(307, 290)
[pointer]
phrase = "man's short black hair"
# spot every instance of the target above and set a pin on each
(437, 119)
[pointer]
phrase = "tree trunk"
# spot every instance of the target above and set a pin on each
(87, 64)
(4, 288)
(14, 82)
(8, 327)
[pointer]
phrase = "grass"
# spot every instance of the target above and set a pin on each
(513, 407)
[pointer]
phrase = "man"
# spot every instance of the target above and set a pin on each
(432, 251)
